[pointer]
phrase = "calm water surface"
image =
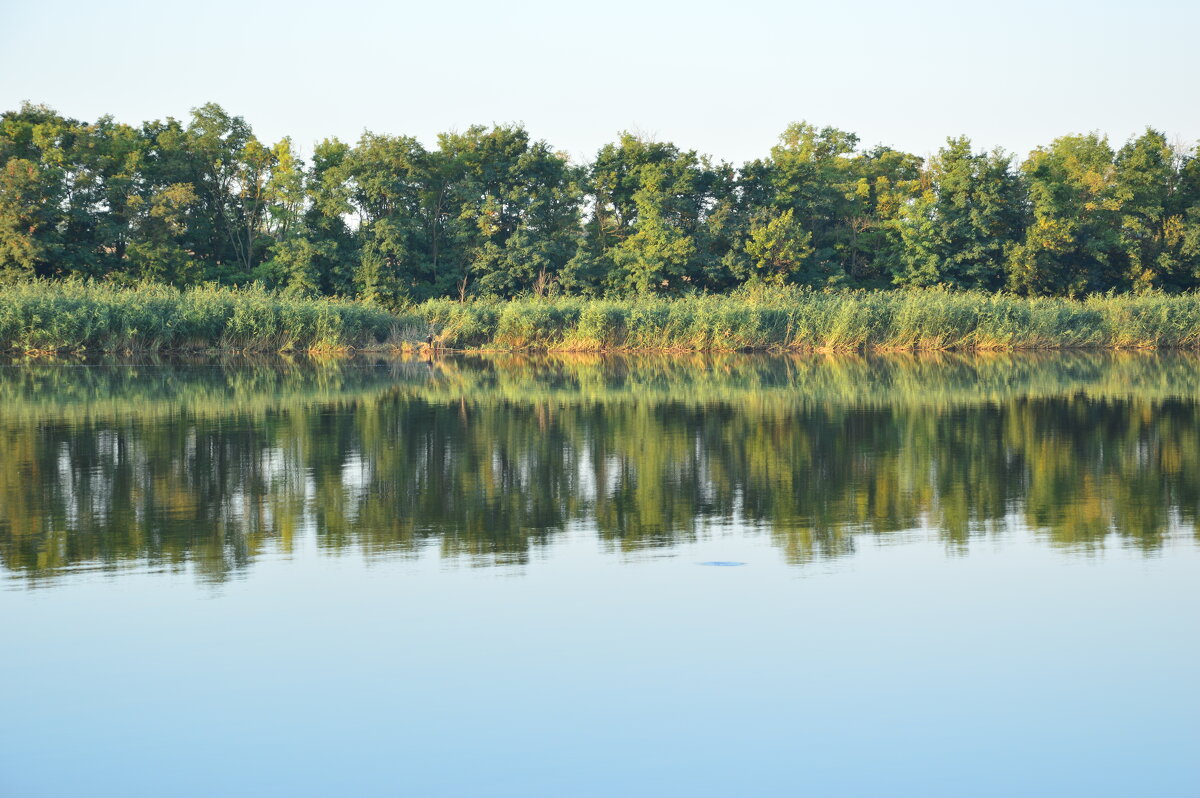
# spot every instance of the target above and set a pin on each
(599, 576)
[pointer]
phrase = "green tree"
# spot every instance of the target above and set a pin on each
(1072, 244)
(779, 247)
(158, 248)
(229, 169)
(518, 208)
(1158, 234)
(811, 172)
(650, 201)
(21, 195)
(885, 181)
(384, 177)
(333, 250)
(33, 188)
(290, 261)
(959, 230)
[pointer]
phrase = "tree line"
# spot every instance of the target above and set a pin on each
(493, 212)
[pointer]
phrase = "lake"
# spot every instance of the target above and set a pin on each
(601, 576)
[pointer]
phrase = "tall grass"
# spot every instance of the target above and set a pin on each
(77, 315)
(804, 320)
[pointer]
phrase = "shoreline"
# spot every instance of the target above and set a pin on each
(53, 318)
(426, 353)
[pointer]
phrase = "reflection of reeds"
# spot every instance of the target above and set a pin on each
(804, 380)
(489, 457)
(42, 388)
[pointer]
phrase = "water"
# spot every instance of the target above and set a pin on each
(495, 576)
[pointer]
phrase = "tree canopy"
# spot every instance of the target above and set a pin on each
(491, 211)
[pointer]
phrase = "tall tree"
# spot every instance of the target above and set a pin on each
(811, 173)
(518, 208)
(961, 227)
(886, 181)
(1072, 245)
(650, 202)
(33, 186)
(1157, 235)
(384, 177)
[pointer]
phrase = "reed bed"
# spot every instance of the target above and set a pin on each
(71, 316)
(835, 321)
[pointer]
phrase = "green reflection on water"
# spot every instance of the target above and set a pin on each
(212, 463)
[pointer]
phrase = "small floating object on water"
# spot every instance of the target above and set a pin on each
(723, 563)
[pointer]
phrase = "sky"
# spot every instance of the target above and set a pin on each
(722, 78)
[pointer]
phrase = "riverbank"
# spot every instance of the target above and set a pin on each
(79, 316)
(800, 320)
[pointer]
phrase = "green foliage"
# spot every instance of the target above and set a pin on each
(1072, 245)
(491, 212)
(799, 319)
(958, 231)
(1160, 213)
(21, 251)
(648, 215)
(76, 315)
(779, 247)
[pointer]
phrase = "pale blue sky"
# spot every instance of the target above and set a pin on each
(723, 78)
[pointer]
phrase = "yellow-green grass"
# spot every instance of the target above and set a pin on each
(801, 320)
(94, 316)
(69, 316)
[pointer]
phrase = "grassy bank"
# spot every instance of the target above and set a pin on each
(75, 316)
(800, 320)
(78, 316)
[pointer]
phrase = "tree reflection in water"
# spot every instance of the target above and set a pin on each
(210, 463)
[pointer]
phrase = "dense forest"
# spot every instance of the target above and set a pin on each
(492, 212)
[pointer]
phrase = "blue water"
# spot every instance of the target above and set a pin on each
(358, 582)
(1014, 670)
